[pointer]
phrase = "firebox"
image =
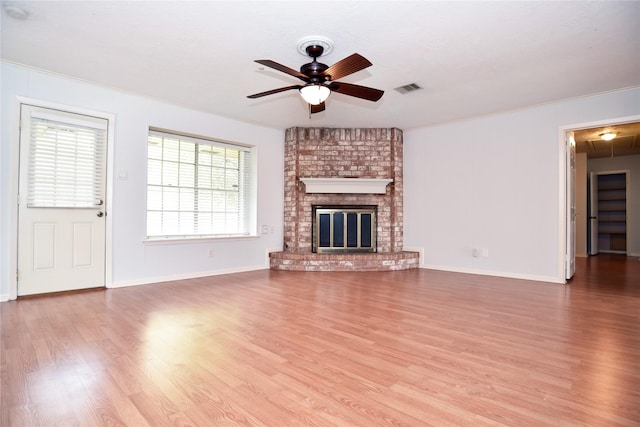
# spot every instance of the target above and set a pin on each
(340, 228)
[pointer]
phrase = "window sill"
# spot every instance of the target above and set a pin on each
(203, 239)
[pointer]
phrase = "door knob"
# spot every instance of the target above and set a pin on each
(100, 214)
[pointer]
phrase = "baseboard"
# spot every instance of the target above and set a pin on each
(161, 279)
(508, 275)
(4, 297)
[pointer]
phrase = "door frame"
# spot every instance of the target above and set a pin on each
(14, 182)
(570, 206)
(563, 226)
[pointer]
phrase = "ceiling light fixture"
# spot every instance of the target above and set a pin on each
(608, 136)
(315, 94)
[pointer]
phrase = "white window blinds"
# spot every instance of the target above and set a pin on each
(65, 162)
(197, 187)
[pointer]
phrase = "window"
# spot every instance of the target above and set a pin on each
(65, 163)
(198, 187)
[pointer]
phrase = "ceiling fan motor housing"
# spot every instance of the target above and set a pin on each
(315, 70)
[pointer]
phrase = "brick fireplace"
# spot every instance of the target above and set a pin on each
(343, 159)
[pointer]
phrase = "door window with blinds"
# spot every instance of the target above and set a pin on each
(65, 163)
(198, 187)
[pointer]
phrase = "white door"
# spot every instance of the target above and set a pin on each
(571, 206)
(593, 213)
(61, 211)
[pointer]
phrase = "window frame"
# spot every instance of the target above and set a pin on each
(245, 213)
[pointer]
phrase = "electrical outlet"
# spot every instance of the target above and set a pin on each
(210, 253)
(265, 229)
(475, 252)
(485, 252)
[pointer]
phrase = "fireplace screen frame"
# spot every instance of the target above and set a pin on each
(335, 210)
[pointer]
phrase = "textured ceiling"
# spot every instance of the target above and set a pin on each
(470, 58)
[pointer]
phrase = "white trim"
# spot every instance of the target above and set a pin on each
(547, 279)
(186, 276)
(346, 185)
(200, 139)
(562, 203)
(13, 212)
(67, 120)
(562, 217)
(601, 123)
(111, 138)
(13, 197)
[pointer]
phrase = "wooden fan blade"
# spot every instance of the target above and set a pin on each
(316, 108)
(348, 65)
(272, 64)
(271, 92)
(363, 92)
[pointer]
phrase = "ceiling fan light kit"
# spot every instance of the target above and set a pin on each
(320, 79)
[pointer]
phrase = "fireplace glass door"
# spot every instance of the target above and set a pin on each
(344, 229)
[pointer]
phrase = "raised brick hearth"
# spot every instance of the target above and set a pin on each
(348, 154)
(344, 262)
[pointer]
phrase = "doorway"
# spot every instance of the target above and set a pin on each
(62, 204)
(597, 154)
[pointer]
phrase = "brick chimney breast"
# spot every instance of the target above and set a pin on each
(350, 154)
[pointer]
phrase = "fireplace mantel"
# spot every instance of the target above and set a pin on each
(346, 185)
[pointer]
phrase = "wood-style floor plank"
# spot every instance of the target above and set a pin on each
(277, 348)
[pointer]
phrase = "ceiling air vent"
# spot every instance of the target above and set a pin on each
(408, 88)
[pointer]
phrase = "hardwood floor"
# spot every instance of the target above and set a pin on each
(270, 348)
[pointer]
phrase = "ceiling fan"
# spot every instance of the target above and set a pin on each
(320, 79)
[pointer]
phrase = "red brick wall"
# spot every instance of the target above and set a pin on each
(347, 153)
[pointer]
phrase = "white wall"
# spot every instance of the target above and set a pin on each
(494, 182)
(133, 261)
(631, 164)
